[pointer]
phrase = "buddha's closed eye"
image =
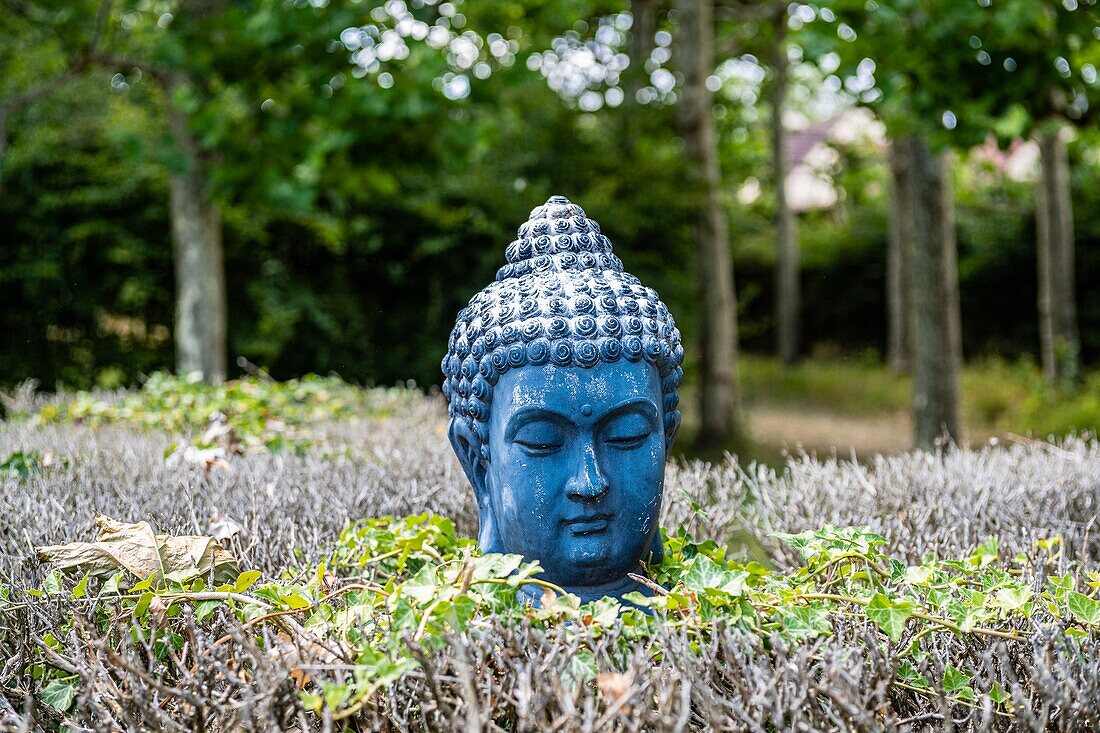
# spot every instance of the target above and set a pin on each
(540, 438)
(627, 441)
(628, 431)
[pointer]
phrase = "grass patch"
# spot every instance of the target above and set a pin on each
(849, 387)
(997, 396)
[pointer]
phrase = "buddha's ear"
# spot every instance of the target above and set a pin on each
(467, 447)
(672, 427)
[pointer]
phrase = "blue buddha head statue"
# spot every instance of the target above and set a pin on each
(563, 380)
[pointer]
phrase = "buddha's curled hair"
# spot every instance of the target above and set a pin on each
(563, 298)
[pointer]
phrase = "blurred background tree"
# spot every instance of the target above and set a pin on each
(360, 166)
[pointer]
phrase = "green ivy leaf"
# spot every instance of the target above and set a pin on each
(111, 586)
(918, 574)
(144, 584)
(495, 565)
(203, 609)
(805, 622)
(60, 693)
(582, 668)
(957, 683)
(890, 615)
(246, 580)
(52, 584)
(423, 586)
(911, 676)
(334, 694)
(703, 574)
(81, 588)
(459, 612)
(985, 554)
(1013, 598)
(638, 599)
(294, 600)
(22, 463)
(1084, 609)
(142, 604)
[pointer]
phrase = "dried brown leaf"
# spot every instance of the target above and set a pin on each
(143, 553)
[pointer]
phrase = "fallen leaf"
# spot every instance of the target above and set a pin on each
(137, 549)
(613, 685)
(223, 528)
(207, 458)
(158, 609)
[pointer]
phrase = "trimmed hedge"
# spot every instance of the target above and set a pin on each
(515, 674)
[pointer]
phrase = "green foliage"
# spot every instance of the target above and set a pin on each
(359, 219)
(242, 414)
(22, 463)
(959, 71)
(392, 588)
(60, 692)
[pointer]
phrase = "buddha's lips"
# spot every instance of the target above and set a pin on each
(588, 525)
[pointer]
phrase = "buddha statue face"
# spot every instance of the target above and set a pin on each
(562, 378)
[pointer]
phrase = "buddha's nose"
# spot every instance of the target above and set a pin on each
(589, 484)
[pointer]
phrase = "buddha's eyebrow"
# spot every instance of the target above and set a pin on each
(634, 404)
(530, 414)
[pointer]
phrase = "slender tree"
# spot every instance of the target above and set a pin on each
(935, 360)
(201, 310)
(787, 290)
(900, 262)
(900, 57)
(1057, 302)
(644, 15)
(1033, 74)
(950, 257)
(923, 285)
(719, 393)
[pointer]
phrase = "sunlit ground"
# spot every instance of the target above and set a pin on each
(848, 405)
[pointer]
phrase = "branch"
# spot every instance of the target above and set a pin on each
(76, 66)
(35, 93)
(124, 64)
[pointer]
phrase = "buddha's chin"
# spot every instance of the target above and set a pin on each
(613, 586)
(588, 561)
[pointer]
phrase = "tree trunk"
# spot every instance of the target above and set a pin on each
(644, 13)
(200, 270)
(1057, 303)
(900, 261)
(787, 296)
(635, 77)
(719, 392)
(935, 366)
(1045, 285)
(951, 259)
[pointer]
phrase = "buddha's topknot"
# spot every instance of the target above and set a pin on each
(563, 298)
